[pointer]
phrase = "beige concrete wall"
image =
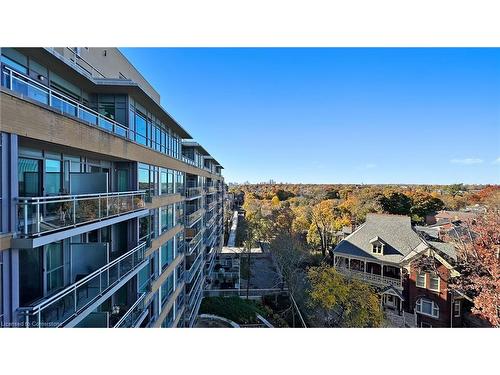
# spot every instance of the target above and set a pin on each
(110, 62)
(5, 241)
(168, 306)
(161, 239)
(158, 201)
(22, 117)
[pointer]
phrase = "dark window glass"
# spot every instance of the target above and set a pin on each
(28, 177)
(30, 275)
(140, 128)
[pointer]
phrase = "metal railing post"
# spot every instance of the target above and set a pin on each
(37, 216)
(74, 297)
(25, 217)
(74, 210)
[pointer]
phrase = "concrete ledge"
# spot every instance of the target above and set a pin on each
(163, 200)
(5, 241)
(164, 237)
(219, 318)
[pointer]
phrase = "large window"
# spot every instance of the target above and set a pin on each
(163, 182)
(140, 129)
(167, 254)
(54, 266)
(146, 227)
(144, 183)
(166, 217)
(427, 307)
(166, 289)
(170, 176)
(29, 177)
(143, 279)
(179, 183)
(52, 177)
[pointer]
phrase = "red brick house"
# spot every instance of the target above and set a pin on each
(410, 274)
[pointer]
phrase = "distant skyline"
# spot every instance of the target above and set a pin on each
(336, 115)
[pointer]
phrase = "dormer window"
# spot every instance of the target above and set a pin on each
(377, 245)
(377, 248)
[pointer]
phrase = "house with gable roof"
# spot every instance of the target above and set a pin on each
(387, 253)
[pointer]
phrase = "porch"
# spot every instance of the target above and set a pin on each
(375, 273)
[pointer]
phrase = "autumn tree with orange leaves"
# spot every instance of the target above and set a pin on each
(479, 265)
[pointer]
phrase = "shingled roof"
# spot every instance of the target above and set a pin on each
(394, 230)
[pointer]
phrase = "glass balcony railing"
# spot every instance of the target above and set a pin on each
(30, 88)
(192, 192)
(210, 206)
(43, 215)
(194, 268)
(210, 222)
(132, 316)
(33, 90)
(210, 189)
(59, 309)
(195, 239)
(194, 217)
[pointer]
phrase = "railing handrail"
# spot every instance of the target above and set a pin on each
(371, 276)
(51, 91)
(129, 311)
(43, 304)
(81, 196)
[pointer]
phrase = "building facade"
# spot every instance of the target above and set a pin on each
(410, 274)
(111, 214)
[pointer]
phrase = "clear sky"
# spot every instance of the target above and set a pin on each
(336, 115)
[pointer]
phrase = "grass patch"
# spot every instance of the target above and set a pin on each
(238, 310)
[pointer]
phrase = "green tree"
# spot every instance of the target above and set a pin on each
(396, 203)
(336, 301)
(424, 204)
(326, 219)
(332, 194)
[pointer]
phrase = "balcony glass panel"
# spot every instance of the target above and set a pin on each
(29, 90)
(87, 116)
(63, 105)
(58, 309)
(39, 215)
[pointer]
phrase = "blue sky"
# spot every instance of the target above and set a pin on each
(336, 115)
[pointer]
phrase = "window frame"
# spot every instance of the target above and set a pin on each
(431, 277)
(434, 308)
(420, 274)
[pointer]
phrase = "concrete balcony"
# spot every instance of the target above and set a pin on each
(39, 216)
(72, 304)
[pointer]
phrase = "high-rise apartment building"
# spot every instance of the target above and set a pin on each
(111, 215)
